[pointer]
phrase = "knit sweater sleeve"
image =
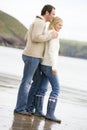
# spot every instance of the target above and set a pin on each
(53, 52)
(38, 34)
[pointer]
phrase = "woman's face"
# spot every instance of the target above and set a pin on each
(58, 26)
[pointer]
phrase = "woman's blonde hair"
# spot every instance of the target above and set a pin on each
(55, 21)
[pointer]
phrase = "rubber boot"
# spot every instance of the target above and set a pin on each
(31, 111)
(50, 110)
(31, 106)
(39, 105)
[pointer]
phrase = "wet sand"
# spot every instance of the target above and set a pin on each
(71, 110)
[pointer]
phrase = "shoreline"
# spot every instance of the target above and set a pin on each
(72, 72)
(71, 94)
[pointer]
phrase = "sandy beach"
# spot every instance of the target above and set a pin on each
(71, 106)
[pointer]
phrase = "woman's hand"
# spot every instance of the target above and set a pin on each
(54, 72)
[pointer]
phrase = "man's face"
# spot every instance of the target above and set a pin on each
(51, 15)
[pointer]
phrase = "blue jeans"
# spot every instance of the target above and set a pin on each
(42, 77)
(53, 79)
(38, 79)
(30, 66)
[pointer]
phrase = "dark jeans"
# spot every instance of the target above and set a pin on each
(30, 66)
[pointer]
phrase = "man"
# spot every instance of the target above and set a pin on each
(33, 53)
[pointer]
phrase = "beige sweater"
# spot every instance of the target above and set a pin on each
(36, 37)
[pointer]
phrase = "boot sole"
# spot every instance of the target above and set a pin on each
(23, 113)
(39, 115)
(58, 121)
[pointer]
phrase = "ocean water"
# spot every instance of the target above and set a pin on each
(72, 73)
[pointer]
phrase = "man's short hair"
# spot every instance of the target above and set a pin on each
(48, 8)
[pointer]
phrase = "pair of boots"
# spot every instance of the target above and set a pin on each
(50, 108)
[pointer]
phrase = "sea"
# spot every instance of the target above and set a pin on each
(72, 72)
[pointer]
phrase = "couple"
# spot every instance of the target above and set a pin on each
(40, 57)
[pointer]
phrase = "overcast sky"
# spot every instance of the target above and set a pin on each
(73, 13)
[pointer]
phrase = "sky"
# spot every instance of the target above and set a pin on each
(73, 13)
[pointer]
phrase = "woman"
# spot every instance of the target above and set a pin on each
(49, 72)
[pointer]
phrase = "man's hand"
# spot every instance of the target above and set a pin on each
(54, 34)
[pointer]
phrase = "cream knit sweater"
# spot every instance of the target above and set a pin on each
(51, 53)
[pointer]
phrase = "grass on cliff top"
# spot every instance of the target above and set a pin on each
(9, 26)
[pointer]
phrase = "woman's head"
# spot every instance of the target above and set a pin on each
(56, 24)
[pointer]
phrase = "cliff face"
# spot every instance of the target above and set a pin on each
(12, 32)
(72, 48)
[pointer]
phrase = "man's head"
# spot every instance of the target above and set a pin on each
(48, 12)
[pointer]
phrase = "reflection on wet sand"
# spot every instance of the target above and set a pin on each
(22, 122)
(71, 109)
